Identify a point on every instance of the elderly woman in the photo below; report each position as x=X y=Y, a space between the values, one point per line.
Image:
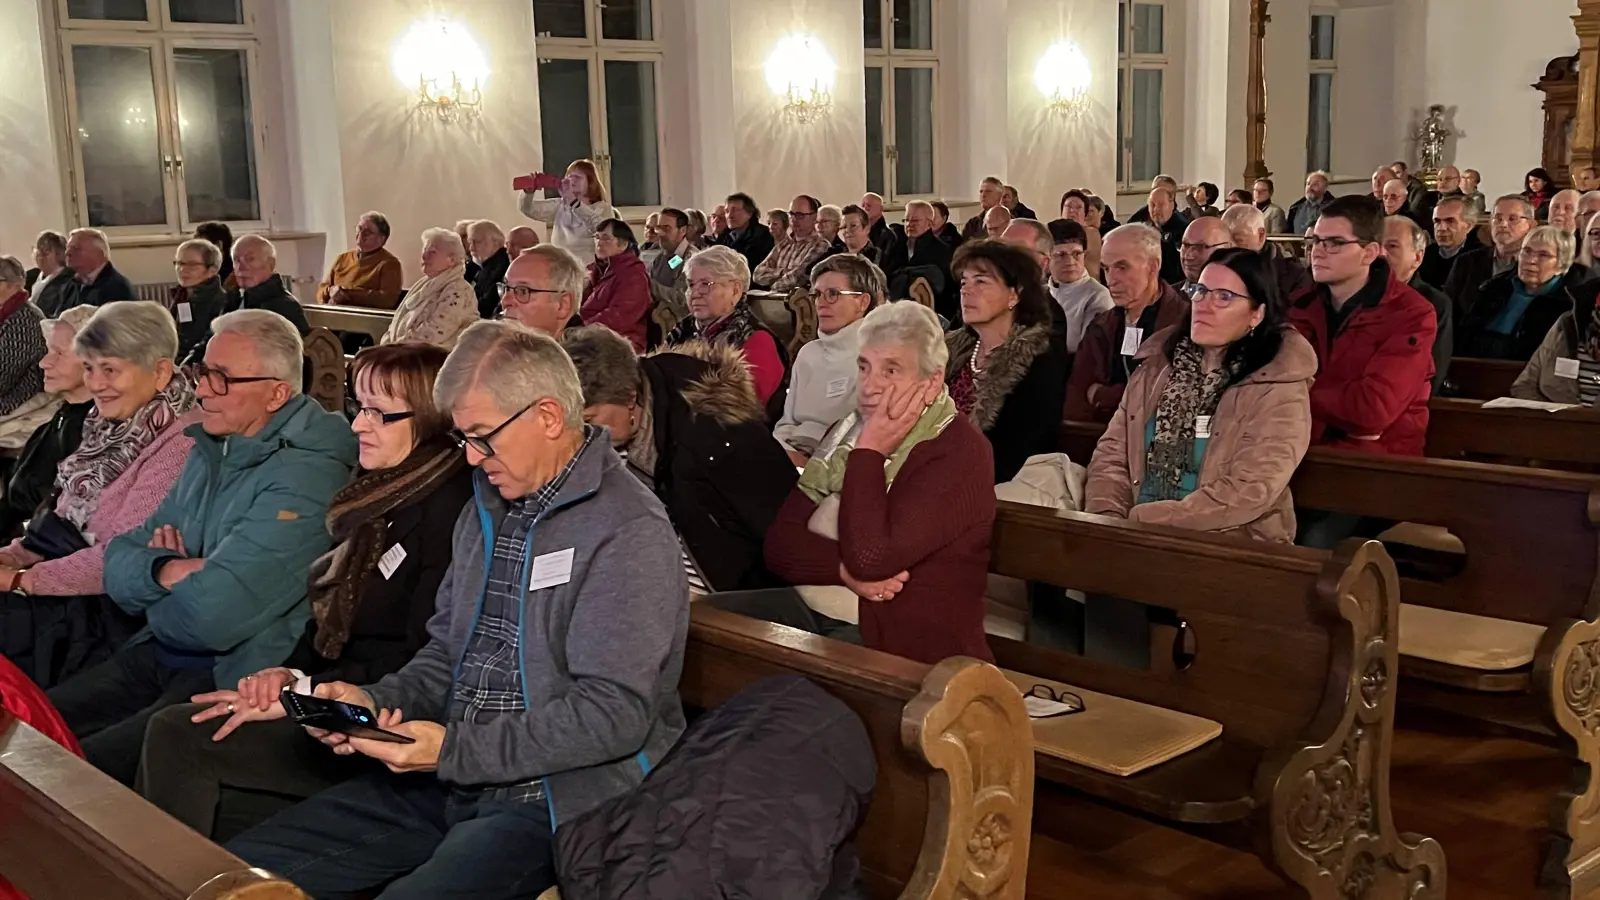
x=690 y=427
x=778 y=224
x=888 y=509
x=617 y=294
x=49 y=278
x=1006 y=371
x=1516 y=309
x=718 y=313
x=55 y=620
x=574 y=215
x=442 y=303
x=221 y=237
x=1590 y=238
x=34 y=477
x=199 y=297
x=822 y=387
x=829 y=219
x=371 y=597
x=21 y=339
x=1075 y=208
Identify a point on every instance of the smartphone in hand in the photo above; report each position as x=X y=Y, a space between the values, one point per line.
x=333 y=715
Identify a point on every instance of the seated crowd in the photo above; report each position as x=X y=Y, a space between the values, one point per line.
x=495 y=551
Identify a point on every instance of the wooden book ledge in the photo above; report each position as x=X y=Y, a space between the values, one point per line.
x=1461 y=639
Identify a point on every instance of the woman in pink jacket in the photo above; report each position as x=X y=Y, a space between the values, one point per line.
x=618 y=293
x=54 y=617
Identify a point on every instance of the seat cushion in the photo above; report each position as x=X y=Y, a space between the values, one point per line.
x=1461 y=639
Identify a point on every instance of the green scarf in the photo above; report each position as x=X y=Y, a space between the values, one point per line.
x=824 y=474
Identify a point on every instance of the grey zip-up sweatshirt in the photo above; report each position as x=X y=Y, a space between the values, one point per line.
x=601 y=654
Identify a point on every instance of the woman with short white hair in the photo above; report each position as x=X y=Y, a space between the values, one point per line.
x=442 y=303
x=719 y=277
x=1516 y=309
x=199 y=297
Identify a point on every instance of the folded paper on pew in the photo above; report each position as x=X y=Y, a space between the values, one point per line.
x=1514 y=403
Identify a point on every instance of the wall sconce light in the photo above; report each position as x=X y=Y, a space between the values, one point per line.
x=446 y=67
x=1063 y=77
x=801 y=71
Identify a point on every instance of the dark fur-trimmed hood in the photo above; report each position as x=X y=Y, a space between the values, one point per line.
x=1008 y=364
x=719 y=386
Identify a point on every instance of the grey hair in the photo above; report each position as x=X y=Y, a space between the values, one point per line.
x=1146 y=237
x=95 y=235
x=608 y=368
x=275 y=338
x=447 y=240
x=1576 y=194
x=74 y=318
x=831 y=211
x=492 y=229
x=1587 y=195
x=1244 y=216
x=1527 y=208
x=1419 y=238
x=722 y=264
x=565 y=271
x=697 y=220
x=1043 y=242
x=252 y=240
x=515 y=366
x=910 y=324
x=1469 y=210
x=210 y=254
x=12 y=270
x=862 y=273
x=1321 y=172
x=1551 y=236
x=139 y=331
x=919 y=204
x=51 y=242
x=378 y=220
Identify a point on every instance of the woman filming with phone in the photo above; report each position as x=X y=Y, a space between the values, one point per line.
x=572 y=216
x=371 y=597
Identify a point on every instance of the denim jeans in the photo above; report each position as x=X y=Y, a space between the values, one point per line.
x=413 y=833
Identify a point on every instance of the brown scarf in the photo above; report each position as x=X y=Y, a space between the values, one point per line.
x=1189 y=393
x=358 y=521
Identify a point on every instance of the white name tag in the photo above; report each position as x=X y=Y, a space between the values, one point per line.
x=551 y=569
x=1202 y=426
x=1566 y=368
x=1132 y=337
x=185 y=314
x=391 y=560
x=837 y=387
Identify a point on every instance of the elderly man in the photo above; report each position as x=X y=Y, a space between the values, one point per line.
x=1563 y=212
x=943 y=227
x=1261 y=194
x=1162 y=214
x=879 y=231
x=549 y=682
x=744 y=232
x=1080 y=296
x=96 y=281
x=1145 y=303
x=988 y=198
x=1449 y=183
x=219 y=570
x=520 y=239
x=1512 y=220
x=1032 y=236
x=1013 y=203
x=995 y=222
x=1396 y=202
x=1142 y=214
x=1404 y=245
x=367 y=276
x=487 y=244
x=1247 y=227
x=854 y=236
x=1455 y=231
x=49 y=279
x=543 y=289
x=789 y=266
x=1204 y=236
x=1380 y=177
x=1588 y=205
x=255 y=268
x=923 y=255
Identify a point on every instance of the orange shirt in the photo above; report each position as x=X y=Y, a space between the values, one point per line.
x=371 y=279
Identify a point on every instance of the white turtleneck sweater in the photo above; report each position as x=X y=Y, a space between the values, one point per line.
x=822 y=388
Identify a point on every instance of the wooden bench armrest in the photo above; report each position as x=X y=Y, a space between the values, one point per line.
x=1566 y=676
x=327 y=369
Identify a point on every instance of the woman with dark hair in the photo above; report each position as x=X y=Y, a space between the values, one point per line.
x=1076 y=206
x=1237 y=197
x=1214 y=423
x=1006 y=372
x=221 y=236
x=617 y=294
x=1538 y=189
x=371 y=597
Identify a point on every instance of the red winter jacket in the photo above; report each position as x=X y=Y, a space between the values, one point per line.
x=618 y=297
x=20 y=697
x=1373 y=376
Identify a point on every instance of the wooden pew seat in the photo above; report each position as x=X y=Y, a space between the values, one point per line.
x=1468 y=641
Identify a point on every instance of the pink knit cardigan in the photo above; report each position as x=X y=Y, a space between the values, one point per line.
x=124 y=505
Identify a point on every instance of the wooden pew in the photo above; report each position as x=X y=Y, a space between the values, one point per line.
x=68 y=832
x=373 y=322
x=1484 y=379
x=326 y=363
x=951 y=815
x=1295 y=656
x=1461 y=429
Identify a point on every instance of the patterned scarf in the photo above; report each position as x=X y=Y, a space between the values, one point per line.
x=731 y=330
x=1189 y=394
x=109 y=446
x=358 y=521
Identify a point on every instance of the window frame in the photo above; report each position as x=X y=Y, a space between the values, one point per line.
x=1329 y=67
x=596 y=52
x=1127 y=63
x=158 y=18
x=888 y=58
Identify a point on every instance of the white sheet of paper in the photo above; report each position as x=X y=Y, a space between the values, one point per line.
x=1040 y=708
x=1514 y=403
x=1566 y=368
x=391 y=560
x=1132 y=337
x=185 y=313
x=551 y=569
x=837 y=387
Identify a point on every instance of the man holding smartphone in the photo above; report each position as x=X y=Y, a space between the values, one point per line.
x=549 y=683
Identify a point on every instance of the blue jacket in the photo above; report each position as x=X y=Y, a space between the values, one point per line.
x=254 y=508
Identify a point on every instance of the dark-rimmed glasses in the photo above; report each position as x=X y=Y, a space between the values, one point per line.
x=1332 y=244
x=831 y=296
x=1222 y=298
x=219 y=381
x=377 y=416
x=522 y=292
x=1046 y=692
x=1187 y=247
x=481 y=442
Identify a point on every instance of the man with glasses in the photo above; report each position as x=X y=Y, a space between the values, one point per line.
x=1455 y=232
x=1513 y=218
x=542 y=289
x=367 y=276
x=789 y=266
x=922 y=255
x=549 y=683
x=1373 y=336
x=738 y=227
x=1204 y=236
x=255 y=270
x=219 y=569
x=669 y=278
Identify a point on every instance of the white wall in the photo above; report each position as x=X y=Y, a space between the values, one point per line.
x=1212 y=144
x=1365 y=88
x=30 y=173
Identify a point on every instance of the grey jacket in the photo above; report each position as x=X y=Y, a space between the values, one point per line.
x=601 y=653
x=1539 y=380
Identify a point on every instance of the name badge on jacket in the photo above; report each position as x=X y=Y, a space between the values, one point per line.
x=551 y=569
x=1132 y=337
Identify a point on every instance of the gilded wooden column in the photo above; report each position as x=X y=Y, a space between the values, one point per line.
x=1256 y=98
x=1584 y=133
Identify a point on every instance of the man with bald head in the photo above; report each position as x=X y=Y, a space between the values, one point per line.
x=879 y=233
x=1162 y=210
x=1393 y=197
x=1145 y=304
x=1204 y=236
x=1512 y=219
x=521 y=238
x=1563 y=211
x=1455 y=231
x=487 y=245
x=995 y=221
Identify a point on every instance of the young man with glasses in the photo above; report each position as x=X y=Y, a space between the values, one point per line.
x=789 y=266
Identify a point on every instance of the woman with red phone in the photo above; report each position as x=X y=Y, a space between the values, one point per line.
x=575 y=214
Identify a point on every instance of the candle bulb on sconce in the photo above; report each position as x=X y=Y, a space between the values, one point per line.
x=1063 y=77
x=801 y=71
x=440 y=60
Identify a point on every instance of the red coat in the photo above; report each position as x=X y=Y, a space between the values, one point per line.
x=20 y=697
x=1373 y=377
x=618 y=297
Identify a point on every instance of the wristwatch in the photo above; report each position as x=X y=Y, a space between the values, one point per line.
x=15 y=587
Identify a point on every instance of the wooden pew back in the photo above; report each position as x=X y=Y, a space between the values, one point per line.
x=1463 y=429
x=1484 y=379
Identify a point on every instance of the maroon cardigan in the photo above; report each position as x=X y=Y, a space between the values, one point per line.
x=934 y=522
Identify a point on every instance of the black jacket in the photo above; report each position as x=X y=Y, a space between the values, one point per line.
x=1474 y=339
x=486 y=284
x=1444 y=340
x=107 y=287
x=272 y=294
x=1435 y=268
x=718 y=471
x=390 y=625
x=1171 y=242
x=1018 y=401
x=1469 y=275
x=204 y=303
x=951 y=235
x=754 y=242
x=34 y=478
x=1292 y=275
x=1021 y=211
x=759 y=798
x=51 y=298
x=882 y=236
x=931 y=260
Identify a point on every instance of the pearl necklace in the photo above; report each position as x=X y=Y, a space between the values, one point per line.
x=972 y=361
